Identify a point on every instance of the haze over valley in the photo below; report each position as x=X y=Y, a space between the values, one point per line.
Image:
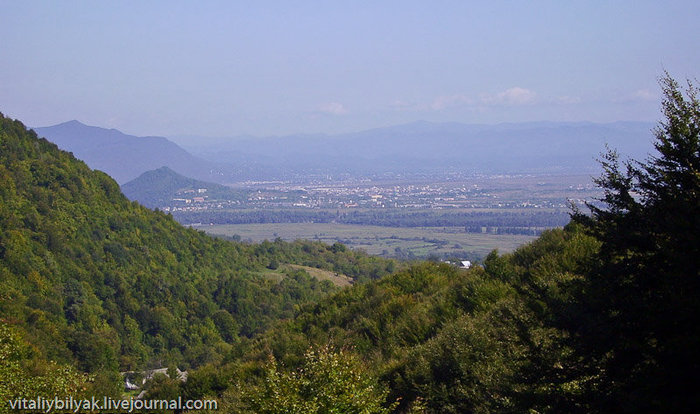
x=411 y=151
x=474 y=179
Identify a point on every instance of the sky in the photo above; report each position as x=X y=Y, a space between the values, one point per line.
x=228 y=68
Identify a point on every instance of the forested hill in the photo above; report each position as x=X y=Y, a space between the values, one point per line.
x=93 y=279
x=159 y=187
x=441 y=339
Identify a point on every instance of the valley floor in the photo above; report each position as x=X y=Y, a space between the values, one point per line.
x=418 y=242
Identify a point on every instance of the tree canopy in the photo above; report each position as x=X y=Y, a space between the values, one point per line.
x=643 y=298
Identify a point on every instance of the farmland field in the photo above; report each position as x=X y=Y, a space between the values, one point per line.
x=418 y=242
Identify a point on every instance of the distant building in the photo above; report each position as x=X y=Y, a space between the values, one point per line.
x=148 y=375
x=128 y=386
x=462 y=264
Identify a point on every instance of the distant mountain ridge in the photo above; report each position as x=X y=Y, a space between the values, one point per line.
x=124 y=157
x=416 y=148
x=544 y=147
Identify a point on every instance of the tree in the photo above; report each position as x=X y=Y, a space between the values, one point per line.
x=642 y=304
x=23 y=374
x=329 y=382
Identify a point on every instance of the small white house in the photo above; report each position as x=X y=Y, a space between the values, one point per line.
x=129 y=386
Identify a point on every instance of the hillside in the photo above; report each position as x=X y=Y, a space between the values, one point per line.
x=451 y=340
x=598 y=317
x=124 y=157
x=159 y=187
x=92 y=279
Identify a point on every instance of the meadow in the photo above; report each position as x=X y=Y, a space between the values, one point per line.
x=418 y=242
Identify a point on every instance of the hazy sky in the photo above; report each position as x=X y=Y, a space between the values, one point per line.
x=259 y=67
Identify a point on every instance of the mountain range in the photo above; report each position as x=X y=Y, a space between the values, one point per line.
x=416 y=148
x=124 y=157
x=546 y=147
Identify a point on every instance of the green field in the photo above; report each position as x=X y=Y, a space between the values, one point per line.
x=417 y=241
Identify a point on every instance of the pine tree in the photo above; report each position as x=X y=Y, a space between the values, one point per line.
x=641 y=309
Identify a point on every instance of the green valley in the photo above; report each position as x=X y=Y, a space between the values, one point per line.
x=96 y=281
x=599 y=316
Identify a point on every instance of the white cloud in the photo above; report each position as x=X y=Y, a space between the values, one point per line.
x=513 y=96
x=333 y=108
x=448 y=101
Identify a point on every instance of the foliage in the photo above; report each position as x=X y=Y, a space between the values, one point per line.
x=24 y=374
x=443 y=339
x=643 y=298
x=329 y=381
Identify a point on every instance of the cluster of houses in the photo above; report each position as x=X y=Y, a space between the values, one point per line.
x=198 y=199
x=462 y=264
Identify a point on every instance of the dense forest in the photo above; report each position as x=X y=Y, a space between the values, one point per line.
x=96 y=281
x=600 y=316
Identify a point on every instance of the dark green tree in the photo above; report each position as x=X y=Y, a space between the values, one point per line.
x=641 y=306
